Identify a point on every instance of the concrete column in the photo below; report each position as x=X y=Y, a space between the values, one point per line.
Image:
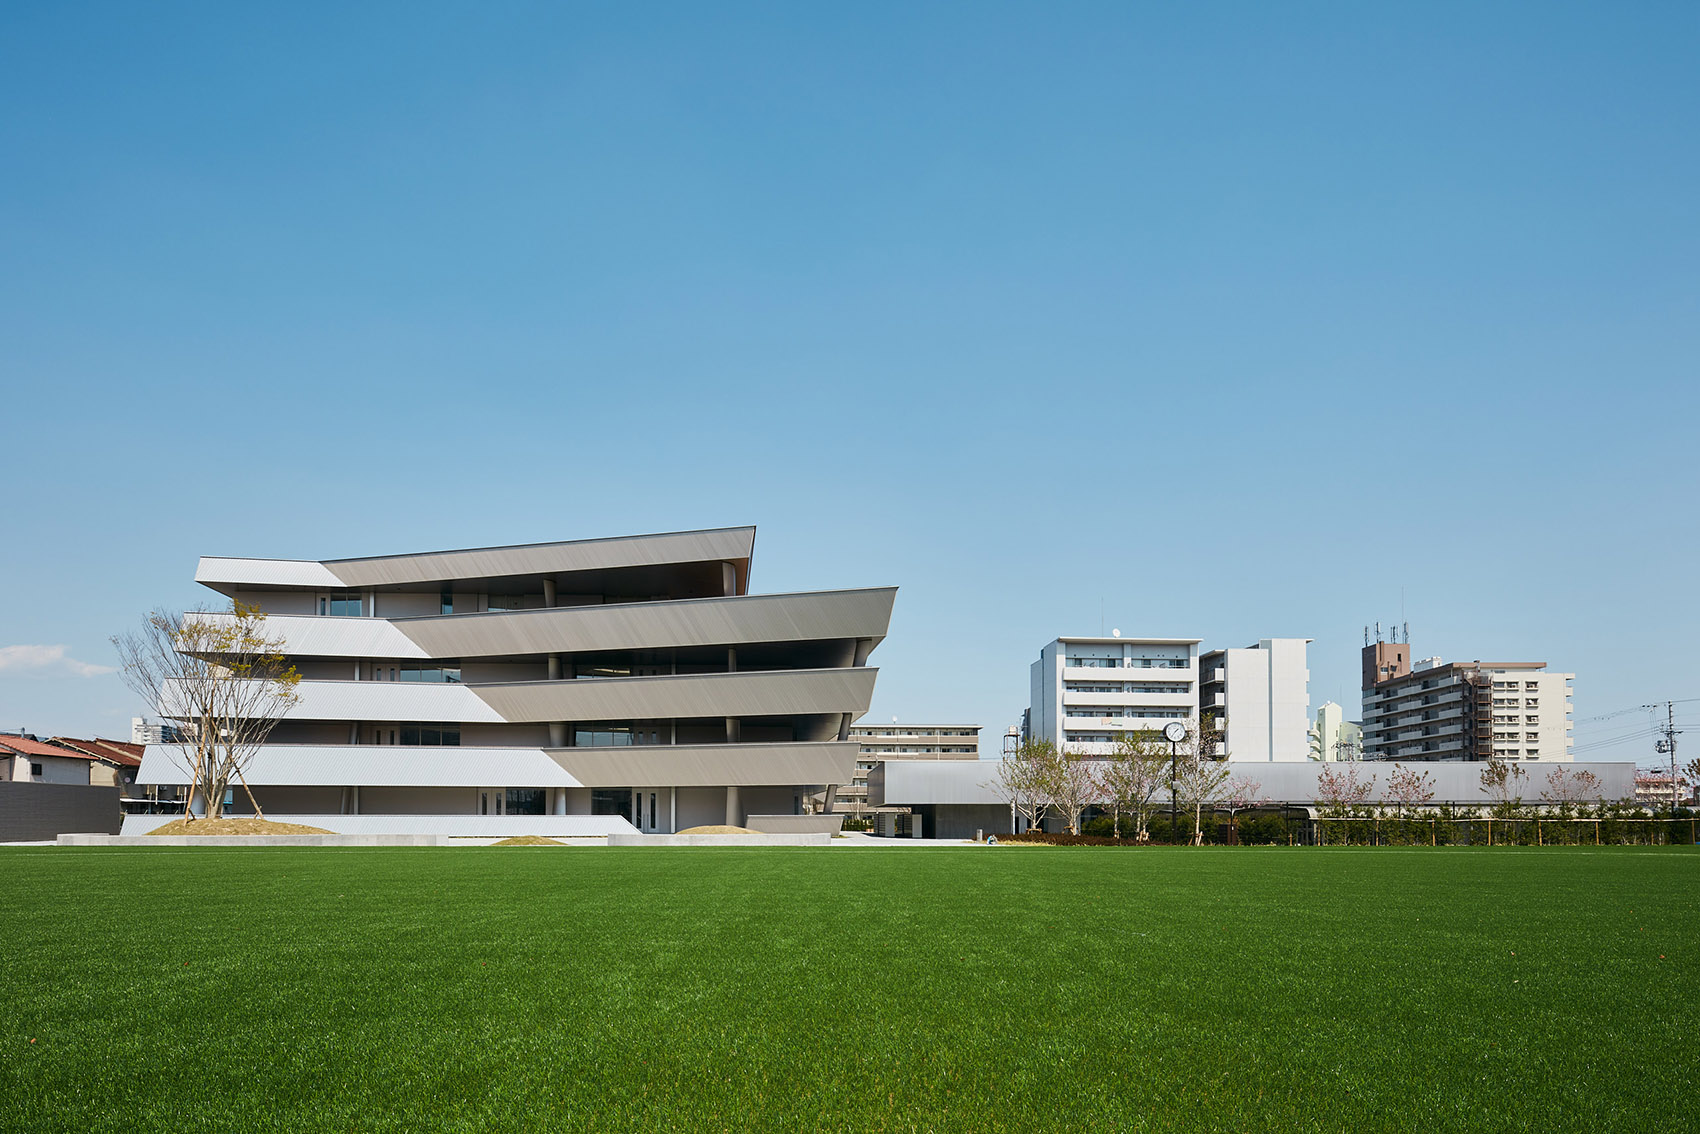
x=673 y=811
x=557 y=734
x=548 y=592
x=731 y=659
x=734 y=807
x=354 y=794
x=864 y=647
x=560 y=805
x=844 y=727
x=734 y=730
x=728 y=579
x=554 y=667
x=831 y=798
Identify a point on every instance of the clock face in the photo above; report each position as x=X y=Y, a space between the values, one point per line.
x=1175 y=732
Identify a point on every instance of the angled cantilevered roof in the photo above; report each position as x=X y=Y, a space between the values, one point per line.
x=728 y=545
x=736 y=620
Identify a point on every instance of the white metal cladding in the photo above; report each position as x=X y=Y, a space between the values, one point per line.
x=915 y=782
x=752 y=693
x=388 y=701
x=471 y=826
x=710 y=765
x=730 y=621
x=217 y=571
x=337 y=765
x=305 y=636
x=725 y=544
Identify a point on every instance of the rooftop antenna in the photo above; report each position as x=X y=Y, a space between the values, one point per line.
x=1378 y=633
x=1407 y=627
x=1366 y=636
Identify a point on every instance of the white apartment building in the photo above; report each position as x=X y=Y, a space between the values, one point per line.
x=1088 y=691
x=1260 y=699
x=1333 y=737
x=1464 y=710
x=897 y=741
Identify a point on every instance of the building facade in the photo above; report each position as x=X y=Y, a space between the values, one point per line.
x=1333 y=737
x=586 y=687
x=904 y=742
x=1087 y=692
x=1429 y=710
x=1260 y=699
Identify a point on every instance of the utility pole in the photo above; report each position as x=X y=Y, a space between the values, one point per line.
x=1668 y=745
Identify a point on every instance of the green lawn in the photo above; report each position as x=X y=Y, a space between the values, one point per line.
x=972 y=989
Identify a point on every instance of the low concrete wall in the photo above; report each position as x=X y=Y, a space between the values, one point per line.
x=253 y=840
x=32 y=812
x=795 y=824
x=794 y=840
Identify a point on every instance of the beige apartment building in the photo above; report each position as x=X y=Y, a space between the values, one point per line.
x=897 y=741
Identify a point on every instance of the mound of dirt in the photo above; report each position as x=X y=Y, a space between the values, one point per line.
x=718 y=829
x=236 y=827
x=529 y=841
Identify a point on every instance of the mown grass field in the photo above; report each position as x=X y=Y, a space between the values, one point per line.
x=964 y=989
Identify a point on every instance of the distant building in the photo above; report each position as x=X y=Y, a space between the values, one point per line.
x=115 y=761
x=1435 y=711
x=1086 y=692
x=29 y=759
x=1654 y=789
x=1333 y=737
x=904 y=742
x=1260 y=698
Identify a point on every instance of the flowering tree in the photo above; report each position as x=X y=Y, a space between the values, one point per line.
x=1070 y=783
x=1565 y=788
x=1502 y=782
x=1339 y=791
x=1133 y=775
x=1020 y=780
x=1408 y=786
x=1201 y=771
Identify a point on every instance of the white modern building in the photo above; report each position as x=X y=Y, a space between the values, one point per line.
x=1260 y=699
x=1431 y=710
x=1333 y=737
x=583 y=687
x=1086 y=692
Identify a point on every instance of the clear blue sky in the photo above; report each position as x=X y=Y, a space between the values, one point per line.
x=1240 y=320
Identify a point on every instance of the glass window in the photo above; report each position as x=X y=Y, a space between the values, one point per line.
x=342 y=605
x=611 y=801
x=446 y=601
x=527 y=801
x=430 y=733
x=445 y=671
x=602 y=738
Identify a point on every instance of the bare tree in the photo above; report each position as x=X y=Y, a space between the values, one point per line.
x=1241 y=792
x=1201 y=771
x=222 y=680
x=1071 y=783
x=1020 y=780
x=1133 y=775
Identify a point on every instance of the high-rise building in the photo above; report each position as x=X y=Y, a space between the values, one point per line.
x=635 y=679
x=1430 y=710
x=1333 y=737
x=1260 y=698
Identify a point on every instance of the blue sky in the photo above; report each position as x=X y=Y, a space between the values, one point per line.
x=1231 y=320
